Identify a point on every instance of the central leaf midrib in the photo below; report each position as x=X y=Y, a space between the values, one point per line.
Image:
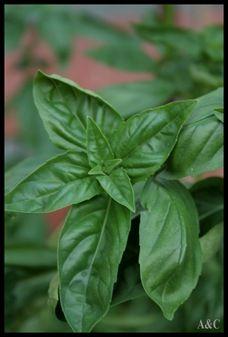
x=94 y=256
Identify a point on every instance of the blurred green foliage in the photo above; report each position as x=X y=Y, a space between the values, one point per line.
x=190 y=60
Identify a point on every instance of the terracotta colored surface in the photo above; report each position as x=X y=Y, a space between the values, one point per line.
x=11 y=126
x=93 y=75
x=200 y=19
x=56 y=218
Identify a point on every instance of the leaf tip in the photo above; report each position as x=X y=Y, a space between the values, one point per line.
x=169 y=315
x=40 y=74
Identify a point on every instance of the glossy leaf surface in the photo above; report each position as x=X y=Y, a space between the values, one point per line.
x=170 y=255
x=18 y=172
x=146 y=139
x=64 y=107
x=90 y=249
x=200 y=145
x=59 y=182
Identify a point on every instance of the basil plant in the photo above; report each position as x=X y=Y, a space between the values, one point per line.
x=111 y=170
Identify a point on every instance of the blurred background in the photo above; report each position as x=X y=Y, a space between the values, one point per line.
x=105 y=48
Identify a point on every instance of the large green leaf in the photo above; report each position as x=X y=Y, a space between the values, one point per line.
x=162 y=234
x=200 y=144
x=61 y=181
x=199 y=149
x=145 y=141
x=130 y=98
x=98 y=147
x=118 y=186
x=170 y=255
x=124 y=56
x=64 y=107
x=90 y=249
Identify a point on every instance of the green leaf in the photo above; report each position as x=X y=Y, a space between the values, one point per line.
x=170 y=255
x=90 y=249
x=130 y=98
x=30 y=257
x=98 y=147
x=206 y=105
x=162 y=233
x=109 y=165
x=59 y=182
x=96 y=170
x=18 y=172
x=209 y=198
x=64 y=107
x=199 y=147
x=145 y=141
x=124 y=56
x=118 y=186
